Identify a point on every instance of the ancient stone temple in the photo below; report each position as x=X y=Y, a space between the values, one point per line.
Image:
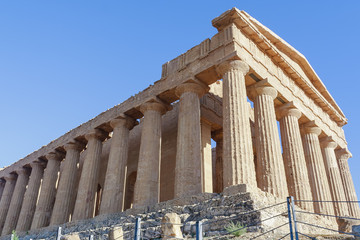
x=239 y=88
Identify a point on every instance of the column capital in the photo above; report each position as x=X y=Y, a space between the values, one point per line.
x=288 y=109
x=124 y=120
x=192 y=86
x=22 y=171
x=96 y=133
x=155 y=105
x=56 y=156
x=310 y=127
x=76 y=145
x=36 y=163
x=263 y=88
x=11 y=177
x=327 y=142
x=343 y=153
x=226 y=66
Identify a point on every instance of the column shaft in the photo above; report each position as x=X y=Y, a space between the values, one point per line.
x=342 y=156
x=113 y=193
x=2 y=186
x=30 y=198
x=238 y=156
x=206 y=163
x=270 y=166
x=333 y=174
x=16 y=201
x=147 y=179
x=67 y=184
x=6 y=198
x=294 y=157
x=48 y=192
x=218 y=183
x=316 y=170
x=188 y=153
x=85 y=199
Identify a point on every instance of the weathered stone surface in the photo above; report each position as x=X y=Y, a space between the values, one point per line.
x=170 y=226
x=116 y=233
x=30 y=198
x=48 y=191
x=188 y=156
x=85 y=199
x=66 y=189
x=314 y=161
x=16 y=201
x=6 y=198
x=71 y=237
x=238 y=158
x=168 y=155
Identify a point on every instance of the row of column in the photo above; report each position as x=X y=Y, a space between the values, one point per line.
x=305 y=170
x=54 y=206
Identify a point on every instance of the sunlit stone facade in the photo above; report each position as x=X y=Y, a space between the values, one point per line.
x=234 y=89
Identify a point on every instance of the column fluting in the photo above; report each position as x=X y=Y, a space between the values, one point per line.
x=188 y=153
x=294 y=157
x=316 y=169
x=342 y=156
x=16 y=201
x=336 y=186
x=270 y=170
x=2 y=186
x=48 y=191
x=238 y=155
x=148 y=174
x=85 y=199
x=206 y=162
x=30 y=198
x=67 y=184
x=6 y=198
x=113 y=193
x=218 y=183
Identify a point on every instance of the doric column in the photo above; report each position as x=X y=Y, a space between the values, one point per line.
x=342 y=156
x=294 y=157
x=6 y=198
x=147 y=180
x=270 y=166
x=85 y=199
x=48 y=191
x=238 y=155
x=112 y=197
x=188 y=153
x=336 y=187
x=218 y=183
x=67 y=184
x=16 y=201
x=30 y=198
x=206 y=162
x=2 y=186
x=317 y=174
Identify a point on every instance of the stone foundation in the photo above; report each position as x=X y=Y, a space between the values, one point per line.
x=214 y=210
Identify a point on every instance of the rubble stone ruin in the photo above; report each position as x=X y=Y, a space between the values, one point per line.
x=232 y=88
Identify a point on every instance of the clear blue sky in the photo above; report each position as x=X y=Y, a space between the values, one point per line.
x=64 y=62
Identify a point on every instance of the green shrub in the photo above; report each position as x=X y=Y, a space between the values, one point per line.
x=15 y=237
x=235 y=229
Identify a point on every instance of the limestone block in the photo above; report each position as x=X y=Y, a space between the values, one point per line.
x=170 y=226
x=71 y=237
x=116 y=233
x=345 y=225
